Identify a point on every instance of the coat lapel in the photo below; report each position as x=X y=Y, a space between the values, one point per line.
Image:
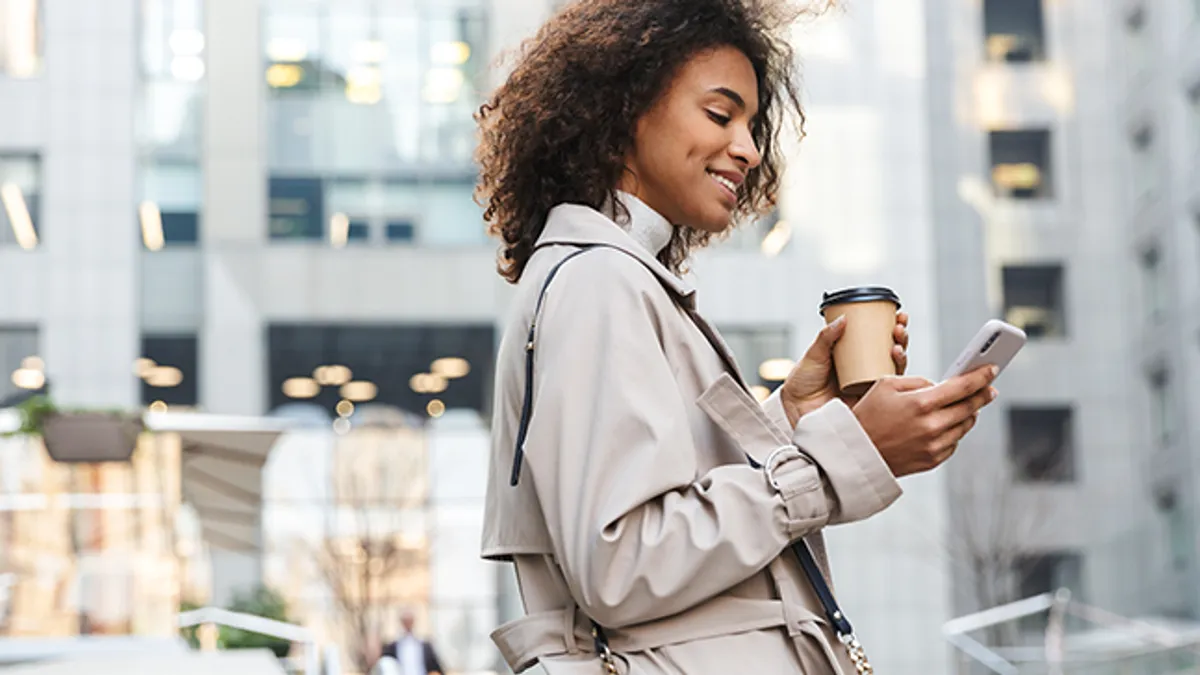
x=579 y=225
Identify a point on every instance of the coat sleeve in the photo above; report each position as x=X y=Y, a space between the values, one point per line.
x=638 y=532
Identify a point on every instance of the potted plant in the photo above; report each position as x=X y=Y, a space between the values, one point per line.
x=81 y=436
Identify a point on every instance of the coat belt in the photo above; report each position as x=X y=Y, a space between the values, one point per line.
x=523 y=641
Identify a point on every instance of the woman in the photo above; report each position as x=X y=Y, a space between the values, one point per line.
x=628 y=134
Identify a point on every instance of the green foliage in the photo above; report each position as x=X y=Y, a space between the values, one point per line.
x=263 y=602
x=34 y=411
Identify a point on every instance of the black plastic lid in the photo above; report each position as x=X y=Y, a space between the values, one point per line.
x=859 y=294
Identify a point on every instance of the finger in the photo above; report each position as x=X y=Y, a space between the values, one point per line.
x=961 y=387
x=900 y=336
x=948 y=442
x=908 y=383
x=902 y=319
x=968 y=409
x=900 y=357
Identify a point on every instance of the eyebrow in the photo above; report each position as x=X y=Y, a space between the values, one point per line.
x=731 y=95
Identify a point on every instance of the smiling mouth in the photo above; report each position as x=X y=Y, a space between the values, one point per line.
x=724 y=182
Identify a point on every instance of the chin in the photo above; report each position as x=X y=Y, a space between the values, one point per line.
x=713 y=223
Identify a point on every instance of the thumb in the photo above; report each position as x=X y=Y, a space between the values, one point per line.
x=829 y=336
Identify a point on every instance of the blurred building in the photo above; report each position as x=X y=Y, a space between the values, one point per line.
x=1065 y=169
x=265 y=208
x=93 y=549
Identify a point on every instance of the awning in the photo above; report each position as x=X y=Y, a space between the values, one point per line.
x=221 y=472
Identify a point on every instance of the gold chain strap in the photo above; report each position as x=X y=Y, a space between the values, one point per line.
x=857 y=654
x=606 y=655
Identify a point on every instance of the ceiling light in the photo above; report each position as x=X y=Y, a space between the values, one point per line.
x=187 y=68
x=435 y=408
x=369 y=51
x=364 y=86
x=20 y=39
x=777 y=239
x=1024 y=176
x=332 y=376
x=301 y=387
x=775 y=370
x=341 y=425
x=287 y=50
x=284 y=75
x=18 y=216
x=451 y=368
x=760 y=392
x=344 y=408
x=451 y=53
x=339 y=230
x=143 y=366
x=158 y=407
x=33 y=363
x=186 y=42
x=24 y=378
x=359 y=392
x=152 y=229
x=164 y=376
x=443 y=85
x=428 y=383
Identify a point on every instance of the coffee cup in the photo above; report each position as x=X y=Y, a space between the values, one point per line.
x=863 y=355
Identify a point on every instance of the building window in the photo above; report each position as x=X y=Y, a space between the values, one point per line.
x=1162 y=416
x=1020 y=162
x=422 y=370
x=1014 y=30
x=169 y=369
x=761 y=353
x=20 y=199
x=401 y=231
x=172 y=196
x=1033 y=300
x=394 y=84
x=20 y=38
x=1145 y=173
x=1040 y=573
x=359 y=231
x=1179 y=533
x=297 y=208
x=22 y=371
x=1153 y=289
x=1041 y=444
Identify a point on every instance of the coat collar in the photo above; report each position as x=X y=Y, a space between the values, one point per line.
x=579 y=225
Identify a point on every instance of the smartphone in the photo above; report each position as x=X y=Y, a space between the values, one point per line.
x=994 y=345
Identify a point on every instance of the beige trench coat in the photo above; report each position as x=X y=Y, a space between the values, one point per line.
x=637 y=507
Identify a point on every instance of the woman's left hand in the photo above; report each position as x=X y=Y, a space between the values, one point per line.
x=813 y=381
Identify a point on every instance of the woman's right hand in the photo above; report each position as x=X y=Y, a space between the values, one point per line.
x=915 y=424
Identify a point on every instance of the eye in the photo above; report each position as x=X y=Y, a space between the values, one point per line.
x=720 y=119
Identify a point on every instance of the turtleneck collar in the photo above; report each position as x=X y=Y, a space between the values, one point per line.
x=644 y=225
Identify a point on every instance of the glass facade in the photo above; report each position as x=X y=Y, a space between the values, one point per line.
x=20 y=200
x=172 y=62
x=320 y=366
x=369 y=117
x=18 y=351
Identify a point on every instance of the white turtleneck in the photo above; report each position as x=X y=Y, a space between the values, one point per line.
x=647 y=226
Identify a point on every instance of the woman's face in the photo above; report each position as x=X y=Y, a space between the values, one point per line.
x=693 y=148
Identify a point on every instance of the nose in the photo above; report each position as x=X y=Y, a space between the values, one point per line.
x=745 y=151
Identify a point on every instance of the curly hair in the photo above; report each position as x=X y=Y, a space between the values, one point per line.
x=559 y=129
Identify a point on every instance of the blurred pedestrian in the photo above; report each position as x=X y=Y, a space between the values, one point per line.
x=413 y=655
x=660 y=519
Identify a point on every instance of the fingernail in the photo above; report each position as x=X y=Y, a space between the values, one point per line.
x=994 y=371
x=992 y=393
